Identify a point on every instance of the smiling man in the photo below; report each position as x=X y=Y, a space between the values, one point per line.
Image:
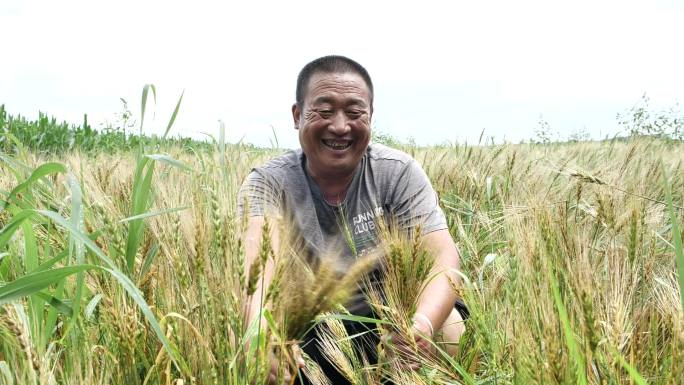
x=337 y=178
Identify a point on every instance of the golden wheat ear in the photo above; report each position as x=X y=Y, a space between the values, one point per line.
x=406 y=268
x=314 y=373
x=344 y=354
x=307 y=291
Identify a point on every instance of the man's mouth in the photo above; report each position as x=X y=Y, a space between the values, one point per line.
x=337 y=144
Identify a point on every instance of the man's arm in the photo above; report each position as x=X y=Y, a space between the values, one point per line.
x=257 y=197
x=437 y=299
x=416 y=203
x=252 y=238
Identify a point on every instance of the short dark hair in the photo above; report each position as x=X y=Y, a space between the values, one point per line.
x=330 y=64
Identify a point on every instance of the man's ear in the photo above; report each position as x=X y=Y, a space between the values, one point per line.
x=296 y=115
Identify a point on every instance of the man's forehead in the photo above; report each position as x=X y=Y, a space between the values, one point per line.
x=326 y=87
x=341 y=78
x=348 y=99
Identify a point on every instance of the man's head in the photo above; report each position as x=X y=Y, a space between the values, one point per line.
x=333 y=114
x=330 y=64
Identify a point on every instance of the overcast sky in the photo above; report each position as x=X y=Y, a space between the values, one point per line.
x=443 y=70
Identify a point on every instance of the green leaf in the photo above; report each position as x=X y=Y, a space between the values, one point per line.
x=575 y=355
x=141 y=189
x=169 y=160
x=633 y=373
x=137 y=296
x=51 y=262
x=56 y=303
x=53 y=314
x=76 y=216
x=125 y=282
x=14 y=164
x=30 y=246
x=143 y=102
x=14 y=224
x=153 y=214
x=31 y=262
x=465 y=376
x=173 y=116
x=75 y=244
x=149 y=259
x=35 y=282
x=90 y=308
x=268 y=316
x=141 y=199
x=41 y=171
x=87 y=242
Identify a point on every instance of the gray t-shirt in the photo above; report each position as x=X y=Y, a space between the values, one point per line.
x=388 y=186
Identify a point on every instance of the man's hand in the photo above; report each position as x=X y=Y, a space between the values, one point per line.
x=408 y=349
x=275 y=365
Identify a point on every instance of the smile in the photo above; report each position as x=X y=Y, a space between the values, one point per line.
x=337 y=144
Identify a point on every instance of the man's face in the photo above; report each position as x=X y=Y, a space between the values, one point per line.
x=334 y=123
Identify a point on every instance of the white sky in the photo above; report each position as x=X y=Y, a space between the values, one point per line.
x=443 y=70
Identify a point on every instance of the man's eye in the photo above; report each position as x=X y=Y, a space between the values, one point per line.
x=325 y=113
x=354 y=114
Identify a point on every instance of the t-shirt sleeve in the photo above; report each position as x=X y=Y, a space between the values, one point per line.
x=414 y=202
x=258 y=196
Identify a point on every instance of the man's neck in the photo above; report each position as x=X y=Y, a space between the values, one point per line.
x=333 y=187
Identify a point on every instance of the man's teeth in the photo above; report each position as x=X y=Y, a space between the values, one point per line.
x=337 y=145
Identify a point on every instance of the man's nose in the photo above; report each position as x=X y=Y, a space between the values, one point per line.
x=339 y=124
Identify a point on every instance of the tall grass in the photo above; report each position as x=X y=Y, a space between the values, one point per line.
x=580 y=282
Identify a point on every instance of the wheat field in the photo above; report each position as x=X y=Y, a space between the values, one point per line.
x=126 y=268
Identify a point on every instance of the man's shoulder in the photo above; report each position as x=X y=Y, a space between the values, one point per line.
x=282 y=164
x=381 y=154
x=390 y=165
x=280 y=172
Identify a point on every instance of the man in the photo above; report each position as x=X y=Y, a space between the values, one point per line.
x=339 y=176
